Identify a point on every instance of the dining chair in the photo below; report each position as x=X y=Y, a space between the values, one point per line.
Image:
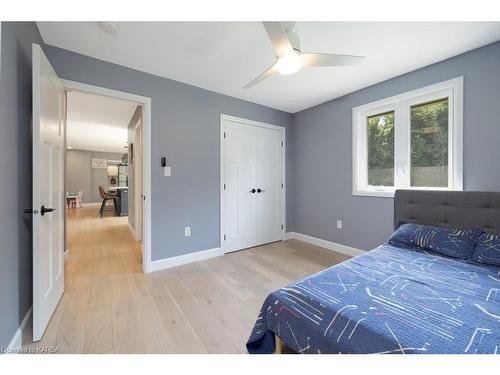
x=105 y=198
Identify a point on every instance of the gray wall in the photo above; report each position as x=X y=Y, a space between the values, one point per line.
x=16 y=172
x=78 y=173
x=80 y=176
x=321 y=146
x=185 y=129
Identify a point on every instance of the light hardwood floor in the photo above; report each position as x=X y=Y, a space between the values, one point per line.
x=110 y=306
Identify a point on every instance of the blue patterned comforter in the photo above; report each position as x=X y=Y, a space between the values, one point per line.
x=389 y=300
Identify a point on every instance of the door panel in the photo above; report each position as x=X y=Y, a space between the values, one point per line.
x=239 y=207
x=45 y=236
x=269 y=179
x=56 y=217
x=48 y=191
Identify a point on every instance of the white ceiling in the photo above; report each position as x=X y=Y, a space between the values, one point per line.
x=224 y=56
x=98 y=123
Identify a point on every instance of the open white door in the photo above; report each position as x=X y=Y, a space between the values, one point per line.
x=48 y=191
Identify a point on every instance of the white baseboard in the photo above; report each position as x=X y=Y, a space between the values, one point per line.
x=91 y=204
x=339 y=248
x=88 y=204
x=17 y=341
x=162 y=264
x=132 y=230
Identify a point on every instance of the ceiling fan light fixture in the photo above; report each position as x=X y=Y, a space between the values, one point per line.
x=289 y=64
x=290 y=60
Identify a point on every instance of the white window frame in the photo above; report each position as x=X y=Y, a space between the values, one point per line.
x=401 y=105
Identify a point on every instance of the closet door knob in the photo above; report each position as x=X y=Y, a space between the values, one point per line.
x=260 y=190
x=253 y=191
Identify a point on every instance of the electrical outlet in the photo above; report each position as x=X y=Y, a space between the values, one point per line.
x=339 y=224
x=187 y=231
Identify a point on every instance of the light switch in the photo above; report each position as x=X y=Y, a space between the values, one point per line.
x=167 y=171
x=339 y=224
x=187 y=231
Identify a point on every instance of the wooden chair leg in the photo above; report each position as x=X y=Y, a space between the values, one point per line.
x=279 y=345
x=102 y=207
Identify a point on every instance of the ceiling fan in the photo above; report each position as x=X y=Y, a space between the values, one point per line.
x=290 y=59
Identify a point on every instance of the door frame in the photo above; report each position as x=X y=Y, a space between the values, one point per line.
x=138 y=214
x=282 y=129
x=146 y=155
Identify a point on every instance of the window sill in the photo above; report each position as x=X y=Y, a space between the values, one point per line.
x=370 y=193
x=390 y=193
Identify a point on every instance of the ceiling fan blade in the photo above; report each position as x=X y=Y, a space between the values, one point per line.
x=279 y=38
x=329 y=59
x=269 y=72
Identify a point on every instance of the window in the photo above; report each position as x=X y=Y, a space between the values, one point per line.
x=112 y=170
x=412 y=140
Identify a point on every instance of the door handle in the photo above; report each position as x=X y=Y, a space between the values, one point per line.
x=260 y=190
x=43 y=210
x=30 y=211
x=253 y=191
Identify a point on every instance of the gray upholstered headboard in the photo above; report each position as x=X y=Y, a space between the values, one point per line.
x=457 y=209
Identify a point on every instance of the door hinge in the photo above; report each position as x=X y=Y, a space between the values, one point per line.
x=282 y=185
x=224 y=186
x=281 y=143
x=224 y=135
x=224 y=237
x=281 y=226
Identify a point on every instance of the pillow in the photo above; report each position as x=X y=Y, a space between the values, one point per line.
x=452 y=242
x=487 y=249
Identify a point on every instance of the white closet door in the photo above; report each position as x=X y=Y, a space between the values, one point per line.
x=240 y=175
x=269 y=188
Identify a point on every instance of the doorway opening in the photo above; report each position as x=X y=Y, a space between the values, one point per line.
x=103 y=176
x=110 y=130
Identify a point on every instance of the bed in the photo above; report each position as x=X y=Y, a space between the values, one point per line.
x=395 y=298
